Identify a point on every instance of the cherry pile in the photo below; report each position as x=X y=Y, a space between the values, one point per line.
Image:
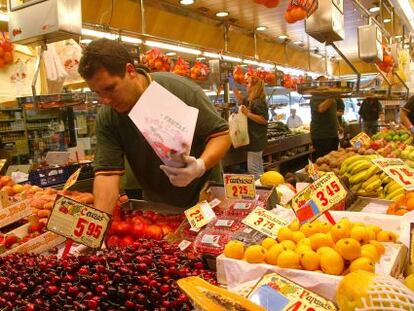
x=140 y=277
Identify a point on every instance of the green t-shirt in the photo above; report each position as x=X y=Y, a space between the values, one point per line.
x=257 y=132
x=340 y=106
x=370 y=110
x=323 y=125
x=118 y=136
x=409 y=107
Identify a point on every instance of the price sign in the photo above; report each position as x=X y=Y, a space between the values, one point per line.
x=239 y=186
x=312 y=170
x=318 y=197
x=265 y=222
x=72 y=179
x=360 y=140
x=78 y=222
x=200 y=215
x=274 y=292
x=397 y=170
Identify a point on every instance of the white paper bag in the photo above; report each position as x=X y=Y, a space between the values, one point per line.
x=239 y=132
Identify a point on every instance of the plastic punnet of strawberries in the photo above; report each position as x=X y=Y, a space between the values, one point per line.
x=140 y=277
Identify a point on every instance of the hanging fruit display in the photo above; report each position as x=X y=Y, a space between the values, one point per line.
x=267 y=76
x=268 y=3
x=6 y=52
x=156 y=60
x=387 y=63
x=181 y=68
x=300 y=9
x=238 y=75
x=291 y=82
x=199 y=71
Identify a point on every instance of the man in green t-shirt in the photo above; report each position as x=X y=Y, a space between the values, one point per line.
x=369 y=113
x=108 y=69
x=407 y=115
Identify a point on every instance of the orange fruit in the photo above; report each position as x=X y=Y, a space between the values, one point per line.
x=340 y=231
x=234 y=249
x=297 y=236
x=401 y=211
x=319 y=240
x=255 y=254
x=360 y=234
x=362 y=263
x=288 y=244
x=268 y=243
x=409 y=195
x=288 y=259
x=310 y=260
x=332 y=262
x=380 y=247
x=308 y=229
x=273 y=253
x=284 y=234
x=348 y=248
x=410 y=204
x=386 y=236
x=370 y=251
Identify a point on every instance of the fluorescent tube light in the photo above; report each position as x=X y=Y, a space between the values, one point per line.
x=131 y=40
x=98 y=34
x=250 y=62
x=172 y=47
x=4 y=17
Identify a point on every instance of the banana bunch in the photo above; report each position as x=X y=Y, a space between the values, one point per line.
x=367 y=180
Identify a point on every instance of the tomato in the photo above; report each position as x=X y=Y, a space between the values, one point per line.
x=138 y=229
x=289 y=18
x=153 y=232
x=271 y=3
x=126 y=241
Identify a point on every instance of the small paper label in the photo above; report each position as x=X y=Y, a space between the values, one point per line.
x=224 y=223
x=214 y=203
x=241 y=205
x=184 y=244
x=400 y=172
x=265 y=222
x=210 y=239
x=72 y=179
x=200 y=215
x=239 y=186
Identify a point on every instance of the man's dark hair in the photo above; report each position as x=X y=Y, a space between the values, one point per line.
x=104 y=53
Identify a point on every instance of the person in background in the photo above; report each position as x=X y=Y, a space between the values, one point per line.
x=293 y=121
x=407 y=115
x=108 y=69
x=369 y=113
x=254 y=107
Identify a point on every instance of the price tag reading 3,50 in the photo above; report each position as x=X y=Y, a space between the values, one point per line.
x=78 y=222
x=239 y=186
x=397 y=170
x=200 y=215
x=265 y=222
x=318 y=197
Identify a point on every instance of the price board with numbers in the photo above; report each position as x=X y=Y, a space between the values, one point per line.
x=397 y=170
x=318 y=197
x=239 y=186
x=360 y=140
x=72 y=179
x=265 y=222
x=78 y=222
x=200 y=215
x=275 y=292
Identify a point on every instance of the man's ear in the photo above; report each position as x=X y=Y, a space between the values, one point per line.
x=130 y=70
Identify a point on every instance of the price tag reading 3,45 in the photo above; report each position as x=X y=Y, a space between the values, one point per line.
x=239 y=186
x=397 y=170
x=78 y=222
x=200 y=215
x=360 y=140
x=318 y=197
x=265 y=222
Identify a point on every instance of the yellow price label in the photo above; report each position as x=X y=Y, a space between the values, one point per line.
x=397 y=170
x=265 y=222
x=200 y=215
x=318 y=197
x=360 y=140
x=78 y=222
x=72 y=179
x=239 y=186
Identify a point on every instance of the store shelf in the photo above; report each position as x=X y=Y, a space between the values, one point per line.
x=11 y=109
x=291 y=158
x=38 y=128
x=9 y=120
x=41 y=118
x=12 y=131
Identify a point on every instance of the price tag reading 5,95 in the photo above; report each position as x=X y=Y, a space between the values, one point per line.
x=78 y=222
x=239 y=186
x=397 y=170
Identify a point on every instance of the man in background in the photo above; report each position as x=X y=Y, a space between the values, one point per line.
x=293 y=121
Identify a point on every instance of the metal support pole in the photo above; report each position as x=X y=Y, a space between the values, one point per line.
x=256 y=56
x=403 y=83
x=385 y=79
x=142 y=9
x=226 y=37
x=349 y=64
x=309 y=54
x=43 y=48
x=361 y=7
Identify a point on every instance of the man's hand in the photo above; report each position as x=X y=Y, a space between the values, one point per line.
x=182 y=177
x=244 y=110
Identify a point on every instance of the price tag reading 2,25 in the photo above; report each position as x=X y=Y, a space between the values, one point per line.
x=264 y=221
x=78 y=222
x=200 y=215
x=397 y=170
x=318 y=197
x=239 y=186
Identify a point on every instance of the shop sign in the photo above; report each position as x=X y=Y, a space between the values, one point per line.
x=239 y=186
x=318 y=198
x=265 y=222
x=200 y=215
x=14 y=212
x=362 y=139
x=276 y=293
x=397 y=170
x=78 y=222
x=72 y=179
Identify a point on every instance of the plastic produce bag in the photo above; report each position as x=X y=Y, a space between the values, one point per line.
x=239 y=132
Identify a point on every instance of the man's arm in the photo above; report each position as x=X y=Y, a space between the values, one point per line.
x=238 y=95
x=256 y=118
x=216 y=149
x=325 y=105
x=404 y=118
x=106 y=192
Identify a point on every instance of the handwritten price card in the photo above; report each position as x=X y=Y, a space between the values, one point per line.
x=72 y=179
x=265 y=222
x=200 y=215
x=397 y=170
x=239 y=186
x=78 y=222
x=318 y=197
x=360 y=140
x=274 y=292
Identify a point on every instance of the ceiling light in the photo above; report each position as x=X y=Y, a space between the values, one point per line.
x=131 y=40
x=224 y=57
x=408 y=11
x=267 y=65
x=243 y=65
x=387 y=20
x=250 y=62
x=261 y=28
x=4 y=17
x=186 y=2
x=200 y=58
x=398 y=37
x=172 y=47
x=98 y=34
x=211 y=55
x=374 y=9
x=298 y=42
x=170 y=53
x=222 y=14
x=283 y=37
x=85 y=41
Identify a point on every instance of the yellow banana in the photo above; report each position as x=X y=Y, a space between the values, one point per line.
x=347 y=162
x=387 y=179
x=396 y=198
x=356 y=187
x=394 y=187
x=370 y=180
x=383 y=175
x=392 y=183
x=357 y=178
x=394 y=194
x=373 y=170
x=353 y=165
x=374 y=185
x=362 y=192
x=364 y=165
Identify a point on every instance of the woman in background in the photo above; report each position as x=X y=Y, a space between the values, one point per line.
x=254 y=107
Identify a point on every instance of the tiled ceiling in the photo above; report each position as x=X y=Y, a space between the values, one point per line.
x=248 y=15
